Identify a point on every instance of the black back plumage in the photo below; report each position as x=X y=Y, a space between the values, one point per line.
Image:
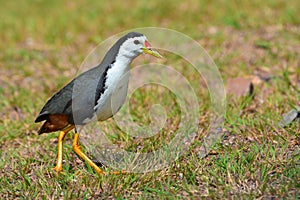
x=88 y=86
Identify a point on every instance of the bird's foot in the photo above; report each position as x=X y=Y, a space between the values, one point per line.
x=115 y=172
x=58 y=169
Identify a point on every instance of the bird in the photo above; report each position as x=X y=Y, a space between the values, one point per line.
x=89 y=95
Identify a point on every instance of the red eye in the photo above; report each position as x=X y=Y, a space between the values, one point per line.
x=147 y=44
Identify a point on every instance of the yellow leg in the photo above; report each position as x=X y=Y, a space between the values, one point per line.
x=77 y=150
x=61 y=137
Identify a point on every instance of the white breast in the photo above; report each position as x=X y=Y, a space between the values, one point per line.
x=116 y=87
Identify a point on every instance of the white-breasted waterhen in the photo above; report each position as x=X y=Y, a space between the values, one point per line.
x=94 y=98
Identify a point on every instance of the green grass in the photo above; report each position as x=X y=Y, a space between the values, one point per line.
x=43 y=44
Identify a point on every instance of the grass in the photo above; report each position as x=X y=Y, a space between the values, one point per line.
x=44 y=43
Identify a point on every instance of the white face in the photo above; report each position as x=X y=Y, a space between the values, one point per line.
x=133 y=47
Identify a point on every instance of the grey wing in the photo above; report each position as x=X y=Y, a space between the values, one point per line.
x=84 y=94
x=76 y=99
x=58 y=103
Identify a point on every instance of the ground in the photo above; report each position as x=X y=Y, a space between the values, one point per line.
x=44 y=43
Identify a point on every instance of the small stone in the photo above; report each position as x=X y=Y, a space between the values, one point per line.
x=180 y=175
x=239 y=86
x=289 y=117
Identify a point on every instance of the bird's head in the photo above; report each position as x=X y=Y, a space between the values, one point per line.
x=136 y=44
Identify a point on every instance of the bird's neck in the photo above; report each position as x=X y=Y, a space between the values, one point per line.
x=122 y=62
x=119 y=67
